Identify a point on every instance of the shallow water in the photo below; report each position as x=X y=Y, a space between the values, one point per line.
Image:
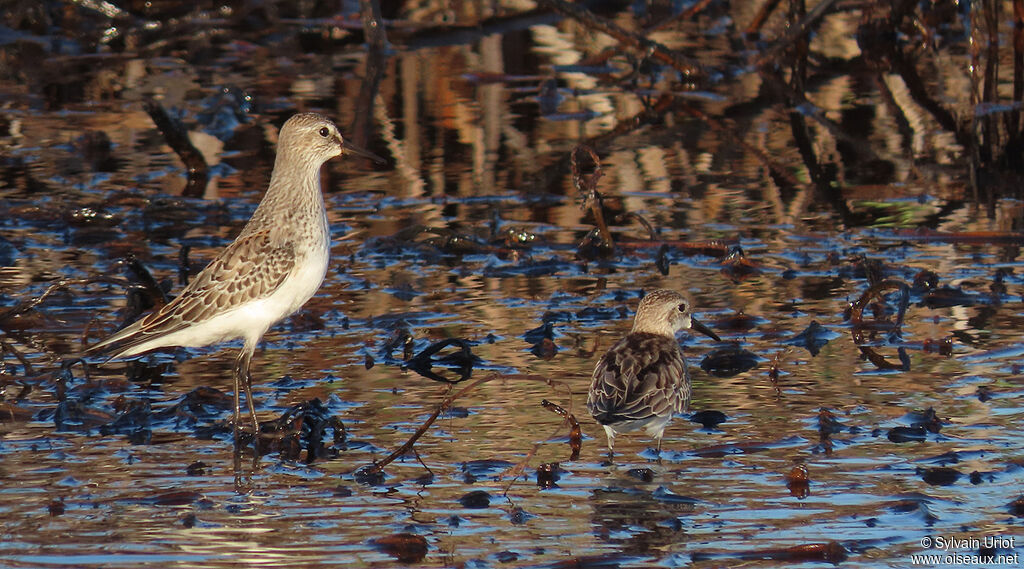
x=133 y=466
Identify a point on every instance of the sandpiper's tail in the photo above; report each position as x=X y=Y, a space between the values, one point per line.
x=118 y=343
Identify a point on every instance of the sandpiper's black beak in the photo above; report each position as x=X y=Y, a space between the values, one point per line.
x=700 y=327
x=353 y=149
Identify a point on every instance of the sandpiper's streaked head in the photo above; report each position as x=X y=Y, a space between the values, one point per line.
x=663 y=312
x=312 y=136
x=316 y=139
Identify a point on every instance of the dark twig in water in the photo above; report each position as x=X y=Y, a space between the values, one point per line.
x=154 y=291
x=877 y=290
x=798 y=100
x=651 y=233
x=419 y=459
x=65 y=367
x=183 y=265
x=685 y=65
x=414 y=36
x=26 y=305
x=773 y=369
x=968 y=237
x=682 y=16
x=711 y=247
x=575 y=433
x=373 y=24
x=755 y=25
x=989 y=127
x=822 y=176
x=9 y=348
x=177 y=138
x=515 y=471
x=779 y=171
x=1013 y=126
x=309 y=420
x=830 y=552
x=894 y=328
x=662 y=261
x=376 y=67
x=378 y=466
x=586 y=186
x=794 y=34
x=907 y=70
x=650 y=114
x=463 y=360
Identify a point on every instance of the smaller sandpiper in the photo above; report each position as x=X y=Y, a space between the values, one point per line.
x=269 y=271
x=642 y=380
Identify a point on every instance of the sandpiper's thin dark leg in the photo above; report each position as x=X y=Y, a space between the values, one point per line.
x=243 y=380
x=251 y=402
x=243 y=476
x=238 y=406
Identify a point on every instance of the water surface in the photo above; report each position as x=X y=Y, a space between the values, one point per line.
x=903 y=436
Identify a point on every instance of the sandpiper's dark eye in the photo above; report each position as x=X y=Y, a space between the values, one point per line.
x=324 y=132
x=681 y=308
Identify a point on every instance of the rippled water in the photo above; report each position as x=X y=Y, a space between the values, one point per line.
x=132 y=465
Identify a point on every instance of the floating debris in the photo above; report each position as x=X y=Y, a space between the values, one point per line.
x=729 y=361
x=798 y=482
x=813 y=338
x=709 y=419
x=907 y=434
x=475 y=500
x=405 y=547
x=575 y=433
x=461 y=362
x=939 y=475
x=548 y=475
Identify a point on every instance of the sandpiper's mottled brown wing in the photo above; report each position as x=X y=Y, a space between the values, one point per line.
x=250 y=268
x=641 y=377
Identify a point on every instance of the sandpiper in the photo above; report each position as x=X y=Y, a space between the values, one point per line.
x=272 y=268
x=642 y=380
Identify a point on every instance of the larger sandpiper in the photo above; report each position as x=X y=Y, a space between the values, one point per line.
x=269 y=271
x=642 y=380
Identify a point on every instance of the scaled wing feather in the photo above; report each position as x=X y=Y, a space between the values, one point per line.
x=249 y=269
x=639 y=378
